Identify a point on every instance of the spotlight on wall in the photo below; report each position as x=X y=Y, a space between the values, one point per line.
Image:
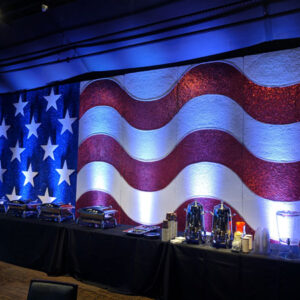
x=44 y=7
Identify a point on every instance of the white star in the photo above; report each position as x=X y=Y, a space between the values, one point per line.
x=1 y=171
x=20 y=106
x=52 y=98
x=46 y=198
x=67 y=123
x=49 y=148
x=3 y=129
x=17 y=150
x=32 y=127
x=64 y=174
x=13 y=195
x=29 y=175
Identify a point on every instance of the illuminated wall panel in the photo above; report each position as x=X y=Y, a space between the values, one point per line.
x=38 y=144
x=215 y=131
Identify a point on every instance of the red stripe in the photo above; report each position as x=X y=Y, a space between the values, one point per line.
x=279 y=105
x=275 y=181
x=100 y=198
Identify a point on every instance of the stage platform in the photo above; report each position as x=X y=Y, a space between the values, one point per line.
x=144 y=267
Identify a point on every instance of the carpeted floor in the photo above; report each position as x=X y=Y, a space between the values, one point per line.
x=14 y=284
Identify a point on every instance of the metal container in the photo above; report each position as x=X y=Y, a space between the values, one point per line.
x=23 y=208
x=221 y=235
x=194 y=228
x=97 y=216
x=57 y=212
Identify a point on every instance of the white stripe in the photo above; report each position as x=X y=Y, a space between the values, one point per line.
x=146 y=85
x=277 y=143
x=278 y=68
x=203 y=179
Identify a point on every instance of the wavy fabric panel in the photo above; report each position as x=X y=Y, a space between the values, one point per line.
x=277 y=105
x=205 y=145
x=204 y=179
x=266 y=141
x=212 y=135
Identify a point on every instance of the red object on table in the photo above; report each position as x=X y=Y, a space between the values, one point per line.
x=240 y=226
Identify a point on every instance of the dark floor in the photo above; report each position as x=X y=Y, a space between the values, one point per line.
x=14 y=284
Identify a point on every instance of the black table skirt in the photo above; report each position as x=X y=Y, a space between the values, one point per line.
x=144 y=267
x=126 y=264
x=37 y=245
x=195 y=272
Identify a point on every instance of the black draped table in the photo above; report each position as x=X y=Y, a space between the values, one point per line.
x=145 y=267
x=33 y=244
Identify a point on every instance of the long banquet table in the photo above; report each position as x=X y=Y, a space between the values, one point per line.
x=145 y=267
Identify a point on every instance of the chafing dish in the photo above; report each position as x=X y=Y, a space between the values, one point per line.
x=3 y=205
x=57 y=212
x=97 y=216
x=23 y=208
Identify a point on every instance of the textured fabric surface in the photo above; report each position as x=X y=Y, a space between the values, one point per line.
x=217 y=131
x=31 y=244
x=38 y=144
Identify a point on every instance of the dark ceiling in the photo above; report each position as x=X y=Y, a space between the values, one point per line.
x=80 y=37
x=17 y=16
x=12 y=10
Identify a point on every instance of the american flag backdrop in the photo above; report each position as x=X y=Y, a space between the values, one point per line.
x=151 y=142
x=38 y=144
